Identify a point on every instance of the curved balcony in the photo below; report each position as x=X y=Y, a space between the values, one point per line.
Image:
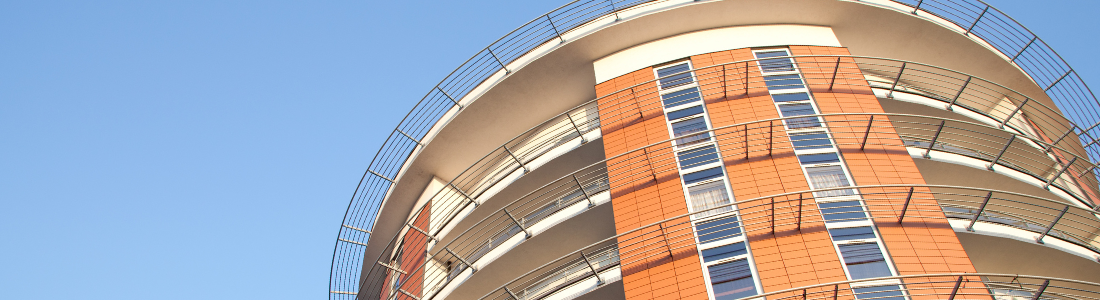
x=1051 y=222
x=539 y=210
x=972 y=18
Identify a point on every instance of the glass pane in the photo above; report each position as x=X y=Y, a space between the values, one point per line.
x=829 y=177
x=775 y=64
x=782 y=82
x=724 y=252
x=688 y=127
x=822 y=158
x=732 y=280
x=709 y=196
x=674 y=76
x=697 y=157
x=694 y=177
x=886 y=292
x=681 y=97
x=687 y=112
x=717 y=229
x=790 y=97
x=842 y=211
x=793 y=110
x=864 y=260
x=854 y=233
x=811 y=141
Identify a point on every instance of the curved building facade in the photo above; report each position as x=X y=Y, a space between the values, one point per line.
x=739 y=149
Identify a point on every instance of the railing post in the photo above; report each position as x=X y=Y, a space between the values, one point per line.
x=955 y=291
x=513 y=295
x=771 y=132
x=1046 y=186
x=1051 y=226
x=462 y=260
x=1013 y=114
x=979 y=214
x=502 y=66
x=1042 y=288
x=1064 y=135
x=836 y=289
x=1059 y=80
x=998 y=158
x=867 y=133
x=773 y=215
x=961 y=89
x=468 y=198
x=898 y=78
x=746 y=142
x=555 y=28
x=408 y=136
x=513 y=155
x=449 y=97
x=799 y=225
x=581 y=186
x=599 y=281
x=578 y=128
x=916 y=8
x=395 y=269
x=746 y=77
x=725 y=91
x=613 y=9
x=380 y=175
x=423 y=232
x=934 y=138
x=1024 y=48
x=976 y=20
x=526 y=233
x=408 y=294
x=664 y=236
x=835 y=70
x=905 y=207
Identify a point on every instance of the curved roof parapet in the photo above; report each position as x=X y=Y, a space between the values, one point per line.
x=975 y=19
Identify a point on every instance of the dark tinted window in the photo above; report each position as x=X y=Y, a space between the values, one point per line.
x=680 y=97
x=690 y=178
x=790 y=97
x=823 y=158
x=732 y=280
x=853 y=233
x=690 y=111
x=775 y=64
x=781 y=82
x=674 y=76
x=842 y=211
x=724 y=252
x=864 y=260
x=811 y=141
x=714 y=230
x=697 y=157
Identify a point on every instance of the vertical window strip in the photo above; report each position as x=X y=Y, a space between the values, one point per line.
x=858 y=245
x=729 y=267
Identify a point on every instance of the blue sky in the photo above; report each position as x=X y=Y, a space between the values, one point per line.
x=208 y=149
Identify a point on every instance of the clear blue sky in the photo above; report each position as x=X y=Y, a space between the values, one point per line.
x=208 y=149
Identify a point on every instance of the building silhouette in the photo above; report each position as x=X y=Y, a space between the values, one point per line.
x=742 y=149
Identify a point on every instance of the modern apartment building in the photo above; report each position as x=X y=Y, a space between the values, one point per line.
x=739 y=149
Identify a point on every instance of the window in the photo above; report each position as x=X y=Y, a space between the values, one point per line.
x=842 y=211
x=707 y=196
x=674 y=76
x=794 y=110
x=852 y=233
x=687 y=112
x=829 y=177
x=885 y=292
x=724 y=252
x=702 y=175
x=782 y=82
x=790 y=97
x=732 y=280
x=816 y=159
x=718 y=229
x=686 y=128
x=775 y=64
x=864 y=260
x=681 y=97
x=697 y=157
x=808 y=141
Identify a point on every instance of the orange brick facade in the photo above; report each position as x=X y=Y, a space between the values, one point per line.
x=789 y=256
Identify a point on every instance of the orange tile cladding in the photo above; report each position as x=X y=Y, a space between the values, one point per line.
x=631 y=118
x=925 y=242
x=787 y=256
x=793 y=255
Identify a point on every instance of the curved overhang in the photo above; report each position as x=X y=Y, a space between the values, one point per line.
x=559 y=75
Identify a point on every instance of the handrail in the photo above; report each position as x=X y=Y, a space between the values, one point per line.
x=1035 y=57
x=468 y=245
x=790 y=212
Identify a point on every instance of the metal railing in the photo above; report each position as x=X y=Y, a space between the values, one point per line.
x=786 y=213
x=768 y=139
x=1035 y=57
